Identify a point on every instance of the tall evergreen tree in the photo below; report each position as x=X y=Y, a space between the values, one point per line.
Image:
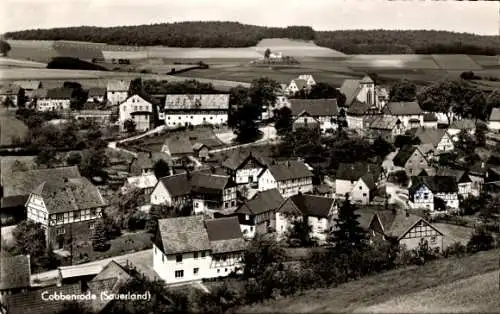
x=348 y=236
x=100 y=238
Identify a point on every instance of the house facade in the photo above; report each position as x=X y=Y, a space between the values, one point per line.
x=200 y=109
x=438 y=138
x=322 y=113
x=67 y=210
x=357 y=180
x=409 y=113
x=430 y=120
x=190 y=249
x=10 y=93
x=410 y=159
x=387 y=127
x=172 y=191
x=137 y=109
x=463 y=125
x=55 y=99
x=494 y=120
x=96 y=95
x=117 y=91
x=424 y=190
x=290 y=178
x=245 y=168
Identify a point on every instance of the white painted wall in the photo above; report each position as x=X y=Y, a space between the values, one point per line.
x=360 y=192
x=343 y=186
x=133 y=104
x=354 y=122
x=494 y=125
x=267 y=181
x=243 y=175
x=117 y=97
x=195 y=118
x=52 y=104
x=160 y=195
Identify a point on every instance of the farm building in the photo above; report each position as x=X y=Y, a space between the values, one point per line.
x=117 y=91
x=96 y=95
x=321 y=112
x=185 y=109
x=409 y=113
x=138 y=110
x=53 y=99
x=29 y=87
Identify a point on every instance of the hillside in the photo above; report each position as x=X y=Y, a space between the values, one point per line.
x=233 y=34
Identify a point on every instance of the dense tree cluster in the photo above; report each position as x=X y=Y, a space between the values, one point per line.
x=321 y=91
x=233 y=34
x=4 y=48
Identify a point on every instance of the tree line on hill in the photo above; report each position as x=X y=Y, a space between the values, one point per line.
x=233 y=34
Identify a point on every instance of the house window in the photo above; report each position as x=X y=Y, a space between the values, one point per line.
x=360 y=187
x=225 y=205
x=364 y=194
x=59 y=217
x=247 y=217
x=93 y=212
x=233 y=203
x=225 y=269
x=91 y=226
x=433 y=240
x=179 y=273
x=426 y=196
x=195 y=255
x=203 y=254
x=76 y=215
x=196 y=271
x=60 y=231
x=178 y=258
x=218 y=271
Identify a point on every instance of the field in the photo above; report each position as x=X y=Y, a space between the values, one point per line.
x=440 y=286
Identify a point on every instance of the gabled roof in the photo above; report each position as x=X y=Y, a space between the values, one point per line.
x=402 y=108
x=358 y=108
x=32 y=301
x=198 y=146
x=429 y=136
x=59 y=93
x=96 y=92
x=397 y=225
x=146 y=160
x=10 y=89
x=354 y=171
x=111 y=270
x=350 y=88
x=300 y=83
x=15 y=272
x=403 y=155
x=69 y=195
x=239 y=158
x=183 y=234
x=179 y=145
x=384 y=123
x=430 y=117
x=208 y=182
x=307 y=205
x=315 y=107
x=118 y=85
x=425 y=148
x=495 y=114
x=262 y=202
x=463 y=124
x=366 y=80
x=29 y=85
x=291 y=169
x=459 y=175
x=197 y=102
x=81 y=270
x=176 y=185
x=437 y=184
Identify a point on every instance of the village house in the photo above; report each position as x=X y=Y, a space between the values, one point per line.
x=464 y=125
x=430 y=120
x=257 y=215
x=290 y=177
x=409 y=113
x=137 y=109
x=10 y=94
x=67 y=209
x=15 y=273
x=143 y=163
x=198 y=109
x=96 y=95
x=144 y=183
x=358 y=113
x=209 y=193
x=316 y=210
x=438 y=138
x=466 y=186
x=245 y=167
x=117 y=91
x=58 y=99
x=403 y=228
x=387 y=127
x=281 y=101
x=178 y=149
x=201 y=151
x=324 y=190
x=494 y=120
x=411 y=160
x=322 y=111
x=302 y=82
x=382 y=97
x=29 y=87
x=424 y=190
x=358 y=181
x=190 y=249
x=17 y=185
x=362 y=91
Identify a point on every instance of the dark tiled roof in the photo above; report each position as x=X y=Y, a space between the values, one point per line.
x=464 y=124
x=403 y=155
x=179 y=145
x=430 y=117
x=460 y=175
x=354 y=171
x=315 y=107
x=60 y=93
x=176 y=185
x=183 y=234
x=429 y=136
x=209 y=181
x=437 y=184
x=13 y=201
x=15 y=272
x=312 y=205
x=69 y=195
x=350 y=88
x=32 y=302
x=495 y=114
x=96 y=92
x=384 y=122
x=300 y=83
x=403 y=108
x=20 y=183
x=358 y=108
x=292 y=169
x=198 y=146
x=146 y=160
x=223 y=229
x=110 y=280
x=10 y=89
x=197 y=102
x=262 y=202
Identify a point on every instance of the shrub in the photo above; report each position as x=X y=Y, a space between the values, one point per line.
x=481 y=240
x=456 y=249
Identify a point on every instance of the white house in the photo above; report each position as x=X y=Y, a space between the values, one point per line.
x=138 y=110
x=424 y=190
x=362 y=90
x=30 y=87
x=358 y=113
x=324 y=111
x=53 y=99
x=117 y=91
x=409 y=113
x=96 y=95
x=466 y=185
x=494 y=120
x=245 y=167
x=357 y=180
x=190 y=249
x=172 y=190
x=430 y=120
x=187 y=109
x=440 y=140
x=387 y=127
x=290 y=178
x=465 y=125
x=302 y=82
x=318 y=211
x=382 y=97
x=281 y=101
x=257 y=215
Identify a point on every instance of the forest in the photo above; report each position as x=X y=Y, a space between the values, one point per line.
x=234 y=34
